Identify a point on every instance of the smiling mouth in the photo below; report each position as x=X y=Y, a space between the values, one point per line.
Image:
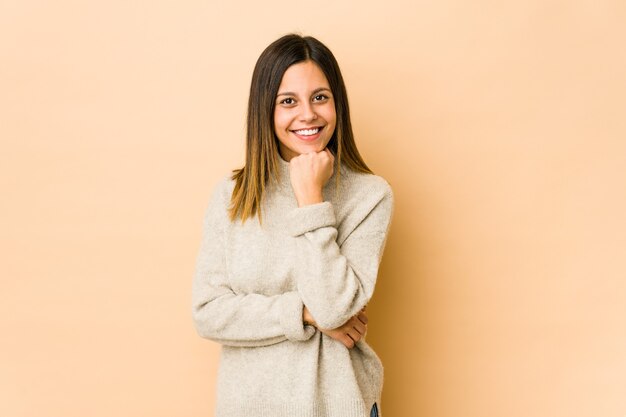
x=308 y=132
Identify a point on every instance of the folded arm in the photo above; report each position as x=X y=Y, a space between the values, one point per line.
x=340 y=278
x=221 y=315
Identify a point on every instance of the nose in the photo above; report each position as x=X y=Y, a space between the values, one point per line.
x=308 y=112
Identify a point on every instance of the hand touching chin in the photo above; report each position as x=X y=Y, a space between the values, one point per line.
x=309 y=173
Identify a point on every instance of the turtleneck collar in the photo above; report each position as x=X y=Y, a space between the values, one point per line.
x=284 y=179
x=283 y=170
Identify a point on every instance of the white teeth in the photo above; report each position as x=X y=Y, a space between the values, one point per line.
x=307 y=132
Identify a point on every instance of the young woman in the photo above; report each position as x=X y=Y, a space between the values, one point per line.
x=291 y=247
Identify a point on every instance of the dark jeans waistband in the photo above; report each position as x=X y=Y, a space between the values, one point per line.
x=374 y=412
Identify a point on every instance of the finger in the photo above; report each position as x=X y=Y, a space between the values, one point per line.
x=362 y=317
x=359 y=327
x=354 y=335
x=347 y=341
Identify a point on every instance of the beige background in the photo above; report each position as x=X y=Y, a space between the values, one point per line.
x=500 y=125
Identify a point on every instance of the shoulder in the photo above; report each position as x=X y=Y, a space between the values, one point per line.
x=365 y=187
x=364 y=202
x=225 y=185
x=362 y=195
x=219 y=197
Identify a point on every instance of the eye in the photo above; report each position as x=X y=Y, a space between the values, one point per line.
x=288 y=100
x=321 y=97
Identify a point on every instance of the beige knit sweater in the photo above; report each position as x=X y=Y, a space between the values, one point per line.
x=251 y=283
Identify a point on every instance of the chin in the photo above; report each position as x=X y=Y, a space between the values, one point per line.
x=307 y=149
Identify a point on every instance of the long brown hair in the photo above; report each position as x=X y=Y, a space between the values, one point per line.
x=261 y=142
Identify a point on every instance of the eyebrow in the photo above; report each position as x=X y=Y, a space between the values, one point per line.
x=289 y=93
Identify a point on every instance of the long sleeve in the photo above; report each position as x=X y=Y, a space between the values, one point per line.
x=340 y=278
x=220 y=314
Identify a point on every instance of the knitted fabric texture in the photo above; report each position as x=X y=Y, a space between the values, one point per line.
x=252 y=281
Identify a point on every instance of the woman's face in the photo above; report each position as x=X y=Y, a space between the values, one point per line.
x=304 y=116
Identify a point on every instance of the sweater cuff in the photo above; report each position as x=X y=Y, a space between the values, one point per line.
x=310 y=217
x=291 y=318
